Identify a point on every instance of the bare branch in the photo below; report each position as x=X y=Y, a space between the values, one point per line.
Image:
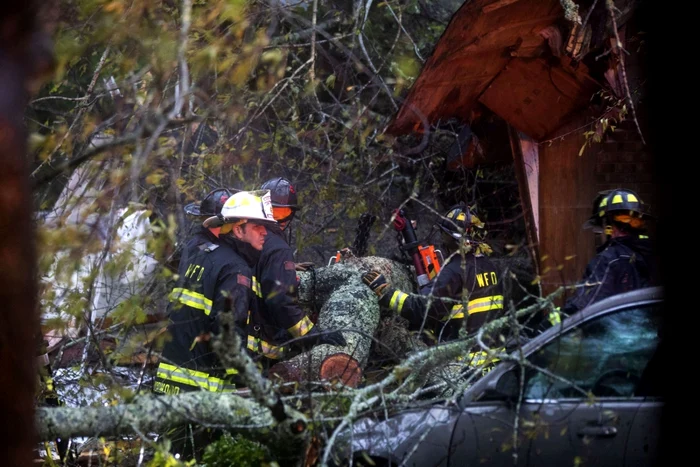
x=618 y=45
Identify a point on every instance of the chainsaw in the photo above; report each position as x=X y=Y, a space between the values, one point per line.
x=424 y=257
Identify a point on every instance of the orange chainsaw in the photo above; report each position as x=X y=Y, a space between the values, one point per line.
x=425 y=258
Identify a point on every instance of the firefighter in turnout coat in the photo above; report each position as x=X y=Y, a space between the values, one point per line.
x=215 y=269
x=625 y=261
x=466 y=293
x=278 y=318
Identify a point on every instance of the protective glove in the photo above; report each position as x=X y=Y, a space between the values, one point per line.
x=303 y=266
x=555 y=316
x=377 y=282
x=317 y=336
x=242 y=335
x=332 y=338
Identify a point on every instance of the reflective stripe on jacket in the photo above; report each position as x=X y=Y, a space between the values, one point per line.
x=212 y=271
x=277 y=316
x=192 y=379
x=475 y=278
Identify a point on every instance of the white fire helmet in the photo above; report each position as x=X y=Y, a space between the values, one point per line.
x=244 y=206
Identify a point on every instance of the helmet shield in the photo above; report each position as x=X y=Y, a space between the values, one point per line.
x=284 y=198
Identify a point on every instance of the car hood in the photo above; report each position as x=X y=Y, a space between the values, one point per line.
x=396 y=434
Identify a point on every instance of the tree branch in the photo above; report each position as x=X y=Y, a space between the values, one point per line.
x=81 y=111
x=158 y=413
x=618 y=46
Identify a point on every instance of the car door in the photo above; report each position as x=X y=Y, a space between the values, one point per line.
x=588 y=398
x=582 y=394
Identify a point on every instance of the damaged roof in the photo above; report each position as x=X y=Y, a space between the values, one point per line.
x=508 y=55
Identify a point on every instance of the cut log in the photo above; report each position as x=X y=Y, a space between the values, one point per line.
x=348 y=305
x=316 y=286
x=341 y=368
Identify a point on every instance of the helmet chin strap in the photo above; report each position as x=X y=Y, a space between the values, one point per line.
x=288 y=220
x=289 y=234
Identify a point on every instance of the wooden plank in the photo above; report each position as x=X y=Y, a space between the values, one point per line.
x=496 y=5
x=529 y=205
x=534 y=95
x=567 y=189
x=470 y=54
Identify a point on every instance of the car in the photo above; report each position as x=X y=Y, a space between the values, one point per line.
x=585 y=392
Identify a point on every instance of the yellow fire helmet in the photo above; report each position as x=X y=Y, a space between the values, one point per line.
x=242 y=207
x=459 y=222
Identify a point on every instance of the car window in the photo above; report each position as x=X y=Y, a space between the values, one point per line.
x=611 y=356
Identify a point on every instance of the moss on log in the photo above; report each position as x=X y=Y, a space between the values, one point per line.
x=347 y=305
x=317 y=286
x=158 y=413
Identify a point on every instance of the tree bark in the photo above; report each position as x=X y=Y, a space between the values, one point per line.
x=19 y=63
x=158 y=413
x=348 y=305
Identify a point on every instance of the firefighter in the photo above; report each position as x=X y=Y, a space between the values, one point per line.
x=468 y=279
x=217 y=264
x=278 y=317
x=215 y=273
x=625 y=261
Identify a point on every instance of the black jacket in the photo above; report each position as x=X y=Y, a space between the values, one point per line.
x=477 y=276
x=621 y=264
x=277 y=316
x=210 y=270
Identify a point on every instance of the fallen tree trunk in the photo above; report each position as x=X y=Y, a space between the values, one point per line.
x=158 y=413
x=348 y=305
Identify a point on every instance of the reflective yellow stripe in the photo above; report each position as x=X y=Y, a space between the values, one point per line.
x=400 y=297
x=194 y=378
x=479 y=305
x=192 y=299
x=301 y=328
x=457 y=312
x=392 y=302
x=401 y=300
x=257 y=289
x=477 y=358
x=268 y=350
x=481 y=357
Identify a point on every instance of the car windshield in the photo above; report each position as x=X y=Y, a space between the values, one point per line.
x=606 y=356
